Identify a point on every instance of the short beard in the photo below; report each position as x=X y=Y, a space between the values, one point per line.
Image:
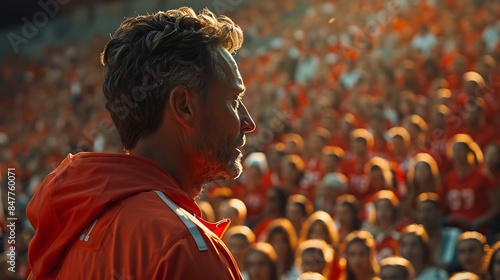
x=219 y=162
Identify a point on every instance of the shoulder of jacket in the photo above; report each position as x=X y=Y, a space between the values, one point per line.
x=147 y=215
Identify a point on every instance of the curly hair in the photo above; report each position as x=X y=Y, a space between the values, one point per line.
x=150 y=55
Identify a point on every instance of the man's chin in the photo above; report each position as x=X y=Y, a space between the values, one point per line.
x=232 y=171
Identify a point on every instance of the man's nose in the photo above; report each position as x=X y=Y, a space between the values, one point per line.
x=247 y=123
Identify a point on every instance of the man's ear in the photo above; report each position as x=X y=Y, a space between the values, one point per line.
x=181 y=104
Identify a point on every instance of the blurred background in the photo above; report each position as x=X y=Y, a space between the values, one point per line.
x=350 y=98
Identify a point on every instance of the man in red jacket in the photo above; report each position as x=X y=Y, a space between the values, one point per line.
x=174 y=93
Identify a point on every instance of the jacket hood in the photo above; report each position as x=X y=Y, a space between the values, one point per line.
x=79 y=190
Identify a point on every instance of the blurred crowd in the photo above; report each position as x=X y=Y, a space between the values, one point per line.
x=377 y=147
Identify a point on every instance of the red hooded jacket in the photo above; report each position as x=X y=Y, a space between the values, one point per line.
x=112 y=216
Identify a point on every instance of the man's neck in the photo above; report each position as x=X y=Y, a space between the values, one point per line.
x=172 y=163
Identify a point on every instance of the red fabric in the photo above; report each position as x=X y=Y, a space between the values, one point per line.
x=261 y=228
x=358 y=181
x=494 y=178
x=306 y=190
x=387 y=244
x=466 y=196
x=455 y=83
x=339 y=140
x=270 y=179
x=136 y=234
x=335 y=268
x=312 y=177
x=255 y=200
x=438 y=140
x=381 y=149
x=482 y=136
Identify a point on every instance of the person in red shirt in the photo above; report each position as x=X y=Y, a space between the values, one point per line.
x=175 y=95
x=473 y=88
x=457 y=69
x=360 y=260
x=437 y=135
x=377 y=127
x=353 y=168
x=341 y=138
x=469 y=198
x=253 y=188
x=275 y=208
x=417 y=127
x=383 y=222
x=475 y=123
x=332 y=159
x=313 y=163
x=274 y=156
x=423 y=176
x=298 y=209
x=380 y=177
x=400 y=147
x=292 y=169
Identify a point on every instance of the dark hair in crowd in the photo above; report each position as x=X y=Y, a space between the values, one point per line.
x=150 y=55
x=366 y=238
x=349 y=201
x=284 y=227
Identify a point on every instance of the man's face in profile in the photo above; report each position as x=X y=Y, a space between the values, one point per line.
x=223 y=121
